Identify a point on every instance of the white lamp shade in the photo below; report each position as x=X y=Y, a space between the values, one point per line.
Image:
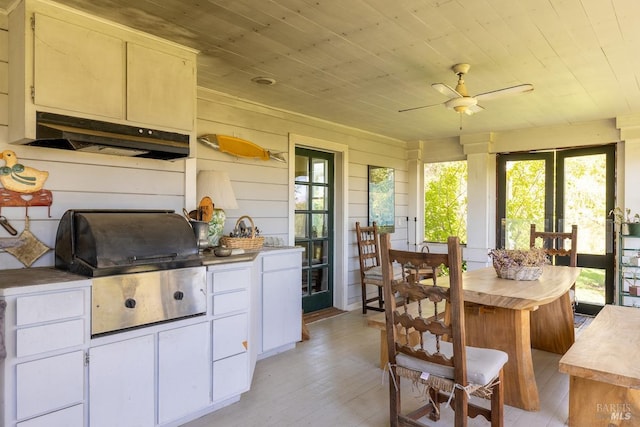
x=216 y=184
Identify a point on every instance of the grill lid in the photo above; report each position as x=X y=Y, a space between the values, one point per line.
x=106 y=242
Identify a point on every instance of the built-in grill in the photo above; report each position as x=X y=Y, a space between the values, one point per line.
x=144 y=264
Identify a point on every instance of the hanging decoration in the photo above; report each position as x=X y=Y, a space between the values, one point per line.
x=29 y=248
x=22 y=187
x=239 y=147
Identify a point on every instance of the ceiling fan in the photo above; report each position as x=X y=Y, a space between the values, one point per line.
x=459 y=99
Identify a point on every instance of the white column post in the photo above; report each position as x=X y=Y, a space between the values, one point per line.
x=481 y=198
x=628 y=155
x=415 y=208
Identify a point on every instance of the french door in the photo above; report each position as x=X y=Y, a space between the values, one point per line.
x=555 y=190
x=314 y=195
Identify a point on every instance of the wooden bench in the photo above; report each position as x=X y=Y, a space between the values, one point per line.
x=604 y=369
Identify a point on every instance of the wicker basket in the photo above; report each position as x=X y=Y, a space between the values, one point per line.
x=253 y=242
x=518 y=273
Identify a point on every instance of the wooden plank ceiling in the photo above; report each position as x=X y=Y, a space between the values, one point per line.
x=358 y=62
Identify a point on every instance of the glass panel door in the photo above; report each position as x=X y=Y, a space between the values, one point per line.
x=585 y=188
x=314 y=226
x=555 y=190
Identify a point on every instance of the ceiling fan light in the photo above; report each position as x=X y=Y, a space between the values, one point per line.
x=460 y=104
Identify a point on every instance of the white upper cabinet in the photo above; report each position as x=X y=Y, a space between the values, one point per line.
x=70 y=63
x=160 y=88
x=75 y=67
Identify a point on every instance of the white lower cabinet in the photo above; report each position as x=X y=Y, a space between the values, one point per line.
x=230 y=289
x=49 y=384
x=162 y=375
x=230 y=336
x=230 y=356
x=230 y=376
x=121 y=383
x=68 y=417
x=184 y=371
x=281 y=300
x=46 y=335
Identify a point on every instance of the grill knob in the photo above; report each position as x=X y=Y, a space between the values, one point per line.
x=130 y=303
x=178 y=295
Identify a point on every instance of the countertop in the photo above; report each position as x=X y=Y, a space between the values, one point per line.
x=12 y=280
x=15 y=279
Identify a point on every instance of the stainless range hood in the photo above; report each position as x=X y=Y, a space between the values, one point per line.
x=72 y=133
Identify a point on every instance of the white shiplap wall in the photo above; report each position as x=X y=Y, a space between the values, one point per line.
x=263 y=188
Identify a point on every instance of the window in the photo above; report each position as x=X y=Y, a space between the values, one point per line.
x=445 y=201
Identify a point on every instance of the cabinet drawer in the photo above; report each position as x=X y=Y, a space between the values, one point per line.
x=230 y=302
x=48 y=384
x=231 y=280
x=68 y=417
x=281 y=261
x=49 y=307
x=230 y=336
x=55 y=336
x=230 y=376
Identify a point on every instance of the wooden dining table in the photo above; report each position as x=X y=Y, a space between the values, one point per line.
x=513 y=316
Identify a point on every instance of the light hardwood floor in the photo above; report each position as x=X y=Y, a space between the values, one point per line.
x=334 y=380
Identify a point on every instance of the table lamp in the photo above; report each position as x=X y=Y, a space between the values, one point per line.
x=217 y=186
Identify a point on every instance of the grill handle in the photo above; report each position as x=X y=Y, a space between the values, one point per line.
x=135 y=258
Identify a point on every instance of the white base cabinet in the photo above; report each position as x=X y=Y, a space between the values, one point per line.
x=69 y=417
x=184 y=371
x=281 y=274
x=230 y=289
x=43 y=378
x=121 y=383
x=166 y=374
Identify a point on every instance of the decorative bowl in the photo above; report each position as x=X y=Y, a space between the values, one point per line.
x=222 y=251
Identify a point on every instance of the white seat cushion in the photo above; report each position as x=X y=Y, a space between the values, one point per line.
x=376 y=272
x=483 y=364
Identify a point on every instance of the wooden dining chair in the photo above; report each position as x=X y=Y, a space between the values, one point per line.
x=555 y=245
x=370 y=267
x=448 y=370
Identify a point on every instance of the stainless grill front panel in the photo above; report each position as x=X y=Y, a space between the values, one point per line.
x=131 y=300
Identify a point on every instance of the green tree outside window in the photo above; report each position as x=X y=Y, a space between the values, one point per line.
x=445 y=200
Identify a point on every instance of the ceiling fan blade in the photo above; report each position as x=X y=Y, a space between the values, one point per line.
x=472 y=109
x=418 y=108
x=446 y=90
x=507 y=91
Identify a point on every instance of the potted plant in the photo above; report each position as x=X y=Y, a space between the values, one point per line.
x=518 y=264
x=629 y=224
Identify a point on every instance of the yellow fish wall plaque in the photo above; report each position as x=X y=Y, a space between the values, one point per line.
x=239 y=147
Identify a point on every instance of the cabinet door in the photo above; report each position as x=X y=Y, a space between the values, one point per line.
x=49 y=384
x=68 y=417
x=230 y=376
x=184 y=371
x=160 y=88
x=281 y=308
x=121 y=383
x=78 y=69
x=230 y=336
